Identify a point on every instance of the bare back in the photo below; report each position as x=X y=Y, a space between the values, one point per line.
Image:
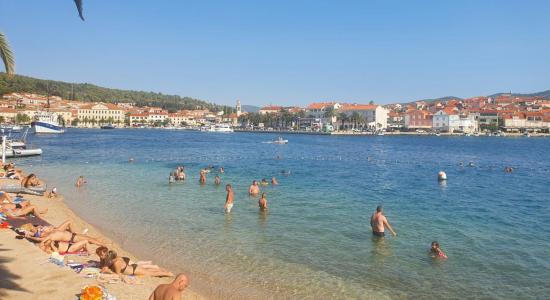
x=165 y=292
x=377 y=222
x=229 y=198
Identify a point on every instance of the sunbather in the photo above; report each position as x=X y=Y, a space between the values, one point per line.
x=111 y=263
x=39 y=233
x=30 y=181
x=70 y=237
x=19 y=212
x=64 y=247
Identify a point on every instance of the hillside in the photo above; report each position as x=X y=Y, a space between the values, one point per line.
x=93 y=93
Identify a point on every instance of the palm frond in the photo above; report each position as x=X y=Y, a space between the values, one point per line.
x=6 y=55
x=79 y=8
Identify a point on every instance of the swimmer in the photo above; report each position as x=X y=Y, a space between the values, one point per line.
x=264 y=182
x=221 y=170
x=217 y=180
x=131 y=160
x=508 y=169
x=80 y=181
x=436 y=252
x=378 y=223
x=262 y=203
x=202 y=179
x=254 y=189
x=274 y=181
x=471 y=164
x=228 y=199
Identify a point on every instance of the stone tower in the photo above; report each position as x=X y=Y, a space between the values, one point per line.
x=238 y=107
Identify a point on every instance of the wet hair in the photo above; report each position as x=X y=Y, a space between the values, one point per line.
x=228 y=185
x=434 y=243
x=263 y=195
x=379 y=208
x=253 y=181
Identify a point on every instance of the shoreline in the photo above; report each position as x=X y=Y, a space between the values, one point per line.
x=26 y=274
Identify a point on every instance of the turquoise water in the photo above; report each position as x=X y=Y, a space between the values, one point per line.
x=315 y=241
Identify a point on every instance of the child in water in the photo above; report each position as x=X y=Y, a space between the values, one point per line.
x=436 y=252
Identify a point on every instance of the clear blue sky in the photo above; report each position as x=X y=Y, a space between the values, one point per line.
x=287 y=52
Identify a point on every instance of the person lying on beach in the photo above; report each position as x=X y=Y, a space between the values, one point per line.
x=6 y=198
x=378 y=223
x=217 y=180
x=70 y=237
x=39 y=233
x=14 y=206
x=11 y=172
x=264 y=182
x=171 y=291
x=436 y=252
x=262 y=203
x=64 y=247
x=20 y=212
x=254 y=189
x=229 y=198
x=30 y=181
x=111 y=263
x=274 y=181
x=80 y=181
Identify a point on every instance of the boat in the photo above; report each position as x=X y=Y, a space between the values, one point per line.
x=217 y=128
x=527 y=134
x=279 y=141
x=18 y=148
x=380 y=133
x=108 y=126
x=46 y=122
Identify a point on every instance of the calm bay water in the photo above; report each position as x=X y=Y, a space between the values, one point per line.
x=315 y=241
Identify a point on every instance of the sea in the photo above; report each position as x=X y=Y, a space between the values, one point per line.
x=315 y=241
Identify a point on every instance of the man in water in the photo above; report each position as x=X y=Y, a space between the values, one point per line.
x=262 y=203
x=254 y=189
x=378 y=222
x=217 y=180
x=228 y=199
x=172 y=290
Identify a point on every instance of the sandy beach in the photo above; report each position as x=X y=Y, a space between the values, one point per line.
x=26 y=273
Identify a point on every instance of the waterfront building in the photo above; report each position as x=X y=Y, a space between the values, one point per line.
x=527 y=121
x=418 y=119
x=91 y=115
x=371 y=116
x=271 y=109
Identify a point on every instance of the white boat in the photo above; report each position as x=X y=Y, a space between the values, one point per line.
x=46 y=122
x=217 y=128
x=18 y=149
x=527 y=134
x=279 y=141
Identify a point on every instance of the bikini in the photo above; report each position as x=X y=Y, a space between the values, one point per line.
x=127 y=261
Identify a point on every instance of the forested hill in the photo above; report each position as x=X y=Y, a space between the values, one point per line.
x=93 y=93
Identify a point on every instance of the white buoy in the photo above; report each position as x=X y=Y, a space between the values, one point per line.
x=441 y=176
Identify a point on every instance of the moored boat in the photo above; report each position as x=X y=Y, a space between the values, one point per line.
x=46 y=122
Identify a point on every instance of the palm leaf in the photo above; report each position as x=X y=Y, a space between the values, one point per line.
x=6 y=55
x=79 y=8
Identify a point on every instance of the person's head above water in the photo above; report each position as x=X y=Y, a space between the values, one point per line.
x=181 y=282
x=228 y=187
x=379 y=208
x=254 y=182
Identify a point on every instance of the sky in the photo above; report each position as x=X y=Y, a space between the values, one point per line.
x=287 y=52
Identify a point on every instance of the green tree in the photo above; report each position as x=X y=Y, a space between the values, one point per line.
x=2 y=119
x=22 y=118
x=75 y=122
x=5 y=51
x=93 y=121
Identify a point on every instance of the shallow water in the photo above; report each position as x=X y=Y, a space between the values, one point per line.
x=315 y=241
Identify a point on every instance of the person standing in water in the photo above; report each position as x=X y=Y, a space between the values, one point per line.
x=202 y=179
x=80 y=181
x=228 y=199
x=217 y=180
x=262 y=203
x=254 y=189
x=378 y=222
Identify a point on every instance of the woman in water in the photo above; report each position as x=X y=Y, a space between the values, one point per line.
x=436 y=252
x=264 y=182
x=274 y=181
x=111 y=263
x=202 y=179
x=217 y=180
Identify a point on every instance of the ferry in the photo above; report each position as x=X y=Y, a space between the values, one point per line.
x=217 y=128
x=108 y=126
x=46 y=122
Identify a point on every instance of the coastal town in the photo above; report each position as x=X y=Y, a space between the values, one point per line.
x=505 y=113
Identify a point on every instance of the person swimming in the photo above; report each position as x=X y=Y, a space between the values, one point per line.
x=436 y=252
x=221 y=170
x=254 y=189
x=508 y=169
x=264 y=182
x=274 y=181
x=80 y=181
x=262 y=203
x=217 y=180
